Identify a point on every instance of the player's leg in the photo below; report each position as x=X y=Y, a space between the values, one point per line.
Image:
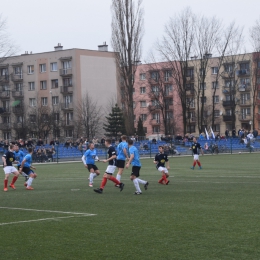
x=121 y=166
x=6 y=181
x=91 y=174
x=16 y=175
x=198 y=162
x=133 y=177
x=32 y=176
x=194 y=161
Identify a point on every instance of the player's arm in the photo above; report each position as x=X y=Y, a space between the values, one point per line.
x=168 y=164
x=110 y=159
x=155 y=160
x=22 y=164
x=201 y=151
x=4 y=160
x=83 y=158
x=130 y=160
x=126 y=154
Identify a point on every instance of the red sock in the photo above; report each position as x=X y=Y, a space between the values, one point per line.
x=14 y=180
x=194 y=163
x=199 y=164
x=5 y=183
x=103 y=183
x=113 y=179
x=161 y=180
x=164 y=178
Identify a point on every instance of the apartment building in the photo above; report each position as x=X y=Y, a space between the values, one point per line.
x=57 y=79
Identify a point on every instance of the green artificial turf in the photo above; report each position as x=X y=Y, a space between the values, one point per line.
x=212 y=213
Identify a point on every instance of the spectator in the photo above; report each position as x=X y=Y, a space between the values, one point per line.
x=206 y=147
x=201 y=137
x=40 y=142
x=67 y=144
x=178 y=138
x=52 y=142
x=250 y=137
x=133 y=138
x=154 y=141
x=102 y=141
x=227 y=134
x=255 y=133
x=234 y=133
x=57 y=141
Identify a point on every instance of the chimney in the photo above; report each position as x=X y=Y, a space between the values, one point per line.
x=58 y=47
x=103 y=47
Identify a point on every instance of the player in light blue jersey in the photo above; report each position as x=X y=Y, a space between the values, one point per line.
x=122 y=156
x=136 y=166
x=19 y=155
x=88 y=160
x=26 y=167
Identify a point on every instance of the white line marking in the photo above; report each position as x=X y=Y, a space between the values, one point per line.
x=51 y=211
x=33 y=220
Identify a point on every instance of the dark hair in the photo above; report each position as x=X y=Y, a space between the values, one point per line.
x=124 y=137
x=161 y=147
x=30 y=149
x=108 y=141
x=130 y=142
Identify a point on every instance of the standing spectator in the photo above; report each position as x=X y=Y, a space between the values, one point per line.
x=255 y=133
x=227 y=134
x=102 y=141
x=178 y=138
x=67 y=144
x=40 y=142
x=201 y=137
x=30 y=143
x=57 y=141
x=234 y=133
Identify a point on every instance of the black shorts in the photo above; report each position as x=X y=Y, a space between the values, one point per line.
x=92 y=166
x=120 y=164
x=136 y=171
x=27 y=170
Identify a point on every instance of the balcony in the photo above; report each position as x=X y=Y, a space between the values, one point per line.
x=65 y=72
x=190 y=92
x=244 y=117
x=17 y=94
x=18 y=125
x=244 y=88
x=227 y=118
x=190 y=78
x=5 y=126
x=4 y=78
x=67 y=106
x=66 y=89
x=5 y=110
x=191 y=120
x=245 y=102
x=18 y=110
x=228 y=90
x=228 y=103
x=242 y=73
x=155 y=122
x=17 y=77
x=5 y=94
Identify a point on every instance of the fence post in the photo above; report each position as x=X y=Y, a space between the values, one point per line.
x=57 y=158
x=150 y=150
x=231 y=142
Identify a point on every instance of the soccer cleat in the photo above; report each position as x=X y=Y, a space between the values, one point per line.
x=90 y=185
x=25 y=184
x=137 y=193
x=146 y=185
x=200 y=168
x=192 y=167
x=160 y=182
x=12 y=186
x=98 y=190
x=117 y=185
x=29 y=188
x=121 y=185
x=5 y=189
x=167 y=182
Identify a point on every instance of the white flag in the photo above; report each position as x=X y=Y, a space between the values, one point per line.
x=213 y=136
x=207 y=135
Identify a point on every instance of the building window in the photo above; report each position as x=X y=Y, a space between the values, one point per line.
x=169 y=115
x=143 y=117
x=216 y=99
x=32 y=118
x=190 y=102
x=31 y=86
x=202 y=85
x=55 y=100
x=45 y=118
x=142 y=76
x=67 y=82
x=190 y=128
x=44 y=101
x=156 y=117
x=54 y=66
x=18 y=87
x=19 y=119
x=143 y=103
x=7 y=135
x=56 y=117
x=245 y=81
x=69 y=133
x=69 y=118
x=228 y=68
x=156 y=129
x=167 y=75
x=32 y=102
x=6 y=119
x=142 y=90
x=145 y=130
x=168 y=89
x=244 y=66
x=43 y=84
x=30 y=69
x=54 y=83
x=18 y=71
x=203 y=100
x=228 y=113
x=155 y=103
x=216 y=128
x=190 y=73
x=155 y=75
x=66 y=64
x=4 y=72
x=216 y=113
x=215 y=85
x=42 y=68
x=214 y=70
x=155 y=90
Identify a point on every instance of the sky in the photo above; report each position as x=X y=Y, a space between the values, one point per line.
x=38 y=26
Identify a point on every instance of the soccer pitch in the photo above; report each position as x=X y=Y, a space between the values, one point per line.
x=211 y=213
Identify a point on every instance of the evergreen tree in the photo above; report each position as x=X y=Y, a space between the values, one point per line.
x=140 y=128
x=115 y=125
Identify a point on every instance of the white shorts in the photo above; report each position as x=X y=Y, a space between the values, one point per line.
x=9 y=169
x=196 y=157
x=160 y=169
x=110 y=169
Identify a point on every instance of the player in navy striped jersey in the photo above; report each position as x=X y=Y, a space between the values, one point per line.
x=195 y=147
x=160 y=159
x=110 y=168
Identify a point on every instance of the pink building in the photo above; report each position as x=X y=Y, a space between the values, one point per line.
x=156 y=100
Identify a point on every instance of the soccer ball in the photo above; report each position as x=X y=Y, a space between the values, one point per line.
x=239 y=152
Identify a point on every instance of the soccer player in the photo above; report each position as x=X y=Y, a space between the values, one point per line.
x=160 y=160
x=88 y=160
x=8 y=159
x=26 y=167
x=195 y=147
x=136 y=166
x=110 y=168
x=19 y=155
x=122 y=155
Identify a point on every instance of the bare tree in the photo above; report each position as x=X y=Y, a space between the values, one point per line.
x=176 y=50
x=89 y=116
x=127 y=33
x=7 y=47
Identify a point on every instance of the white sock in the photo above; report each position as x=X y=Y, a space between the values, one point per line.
x=135 y=181
x=29 y=182
x=91 y=177
x=118 y=177
x=94 y=175
x=141 y=181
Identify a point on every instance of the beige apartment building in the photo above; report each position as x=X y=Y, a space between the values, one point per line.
x=57 y=79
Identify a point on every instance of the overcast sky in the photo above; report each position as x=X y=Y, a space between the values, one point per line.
x=38 y=26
